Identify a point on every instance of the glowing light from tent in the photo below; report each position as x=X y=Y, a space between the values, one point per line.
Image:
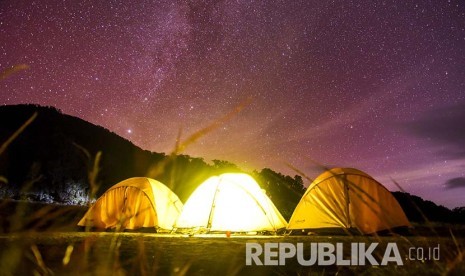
x=230 y=202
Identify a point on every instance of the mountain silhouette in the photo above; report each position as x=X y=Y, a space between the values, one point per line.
x=54 y=160
x=58 y=158
x=56 y=152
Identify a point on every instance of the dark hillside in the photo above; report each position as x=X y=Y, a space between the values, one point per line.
x=51 y=152
x=51 y=159
x=420 y=210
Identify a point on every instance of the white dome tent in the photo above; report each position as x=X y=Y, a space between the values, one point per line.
x=231 y=202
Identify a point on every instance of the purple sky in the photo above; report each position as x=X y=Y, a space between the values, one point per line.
x=375 y=85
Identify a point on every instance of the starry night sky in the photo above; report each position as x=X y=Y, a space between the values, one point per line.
x=375 y=85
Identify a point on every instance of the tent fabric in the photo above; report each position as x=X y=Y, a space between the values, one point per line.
x=135 y=203
x=348 y=198
x=230 y=202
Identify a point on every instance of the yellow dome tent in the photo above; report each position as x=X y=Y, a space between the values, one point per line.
x=134 y=203
x=347 y=198
x=230 y=202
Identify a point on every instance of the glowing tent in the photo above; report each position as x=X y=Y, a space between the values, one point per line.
x=134 y=203
x=230 y=202
x=347 y=198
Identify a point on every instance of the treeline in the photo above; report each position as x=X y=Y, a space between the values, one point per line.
x=420 y=210
x=63 y=159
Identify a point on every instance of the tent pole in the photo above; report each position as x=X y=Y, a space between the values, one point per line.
x=210 y=217
x=346 y=196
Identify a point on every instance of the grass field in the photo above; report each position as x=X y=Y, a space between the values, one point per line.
x=41 y=239
x=84 y=253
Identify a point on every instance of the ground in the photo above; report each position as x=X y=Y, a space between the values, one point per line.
x=42 y=244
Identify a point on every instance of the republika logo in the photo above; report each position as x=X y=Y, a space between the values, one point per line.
x=321 y=254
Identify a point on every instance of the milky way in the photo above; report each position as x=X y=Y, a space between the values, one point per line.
x=358 y=84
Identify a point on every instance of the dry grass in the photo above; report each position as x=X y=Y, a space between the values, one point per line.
x=88 y=253
x=12 y=70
